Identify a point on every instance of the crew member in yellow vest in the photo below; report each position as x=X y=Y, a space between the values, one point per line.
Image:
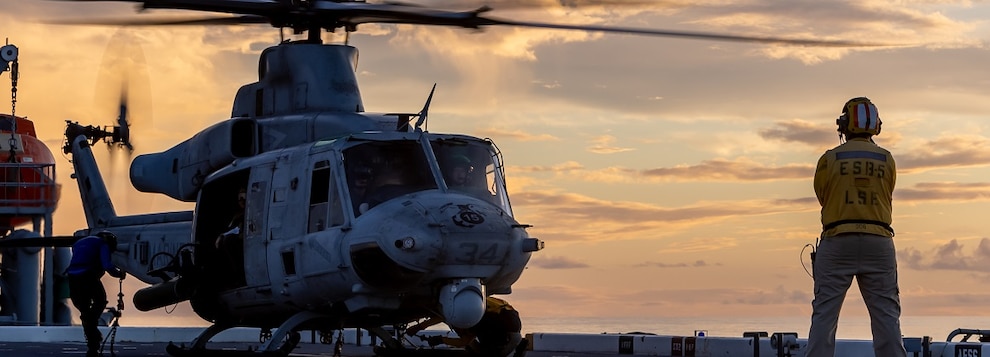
x=496 y=335
x=854 y=183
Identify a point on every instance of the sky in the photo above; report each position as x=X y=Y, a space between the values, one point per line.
x=668 y=177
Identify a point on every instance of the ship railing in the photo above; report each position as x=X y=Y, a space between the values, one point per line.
x=27 y=188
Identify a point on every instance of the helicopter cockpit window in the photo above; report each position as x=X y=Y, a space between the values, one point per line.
x=380 y=171
x=471 y=168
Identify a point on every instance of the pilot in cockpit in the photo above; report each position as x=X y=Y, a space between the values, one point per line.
x=458 y=171
x=391 y=180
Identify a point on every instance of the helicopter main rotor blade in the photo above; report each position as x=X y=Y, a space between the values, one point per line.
x=170 y=21
x=472 y=19
x=535 y=4
x=686 y=34
x=226 y=6
x=313 y=15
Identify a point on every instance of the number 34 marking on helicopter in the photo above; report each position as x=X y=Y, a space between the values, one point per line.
x=473 y=252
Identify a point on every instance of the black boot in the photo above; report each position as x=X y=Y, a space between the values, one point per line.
x=93 y=341
x=93 y=350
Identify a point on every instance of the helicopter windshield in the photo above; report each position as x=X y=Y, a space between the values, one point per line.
x=382 y=170
x=471 y=167
x=378 y=171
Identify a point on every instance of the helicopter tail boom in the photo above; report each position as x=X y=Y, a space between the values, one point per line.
x=142 y=238
x=92 y=189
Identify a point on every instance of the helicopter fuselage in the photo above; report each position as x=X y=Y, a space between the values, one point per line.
x=374 y=228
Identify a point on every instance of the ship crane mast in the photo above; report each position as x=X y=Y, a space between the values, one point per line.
x=28 y=195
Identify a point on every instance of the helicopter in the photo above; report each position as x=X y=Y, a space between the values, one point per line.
x=311 y=213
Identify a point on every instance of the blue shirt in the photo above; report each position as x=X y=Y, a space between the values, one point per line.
x=91 y=255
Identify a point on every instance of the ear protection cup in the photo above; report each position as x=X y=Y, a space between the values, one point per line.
x=842 y=122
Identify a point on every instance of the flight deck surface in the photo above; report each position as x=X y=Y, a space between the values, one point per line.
x=131 y=349
x=32 y=341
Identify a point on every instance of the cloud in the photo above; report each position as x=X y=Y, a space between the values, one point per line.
x=603 y=145
x=940 y=153
x=583 y=207
x=800 y=131
x=574 y=217
x=949 y=256
x=564 y=168
x=518 y=135
x=778 y=295
x=695 y=264
x=556 y=262
x=741 y=169
x=904 y=23
x=945 y=151
x=700 y=245
x=731 y=170
x=944 y=191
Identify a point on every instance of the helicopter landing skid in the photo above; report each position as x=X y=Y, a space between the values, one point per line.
x=180 y=351
x=280 y=343
x=287 y=346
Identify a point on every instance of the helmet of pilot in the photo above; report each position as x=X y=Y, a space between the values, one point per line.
x=459 y=168
x=859 y=118
x=460 y=161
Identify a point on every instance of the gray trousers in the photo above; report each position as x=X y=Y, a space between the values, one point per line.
x=872 y=261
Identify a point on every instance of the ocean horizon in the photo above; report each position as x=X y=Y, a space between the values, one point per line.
x=850 y=327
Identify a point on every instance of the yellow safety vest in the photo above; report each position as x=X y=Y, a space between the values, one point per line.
x=854 y=183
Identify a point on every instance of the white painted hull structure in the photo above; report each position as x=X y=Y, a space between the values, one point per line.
x=963 y=342
x=757 y=344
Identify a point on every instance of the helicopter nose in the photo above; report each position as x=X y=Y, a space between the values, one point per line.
x=438 y=236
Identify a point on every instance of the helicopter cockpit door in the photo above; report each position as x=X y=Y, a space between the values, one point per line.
x=256 y=225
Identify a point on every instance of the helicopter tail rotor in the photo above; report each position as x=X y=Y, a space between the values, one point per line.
x=121 y=131
x=123 y=85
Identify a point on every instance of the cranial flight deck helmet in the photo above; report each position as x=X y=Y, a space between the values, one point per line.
x=859 y=116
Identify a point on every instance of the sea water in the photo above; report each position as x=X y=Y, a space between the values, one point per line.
x=937 y=327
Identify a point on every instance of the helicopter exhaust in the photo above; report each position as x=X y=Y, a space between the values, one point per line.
x=463 y=302
x=162 y=295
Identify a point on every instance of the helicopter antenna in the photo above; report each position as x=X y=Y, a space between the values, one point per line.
x=426 y=108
